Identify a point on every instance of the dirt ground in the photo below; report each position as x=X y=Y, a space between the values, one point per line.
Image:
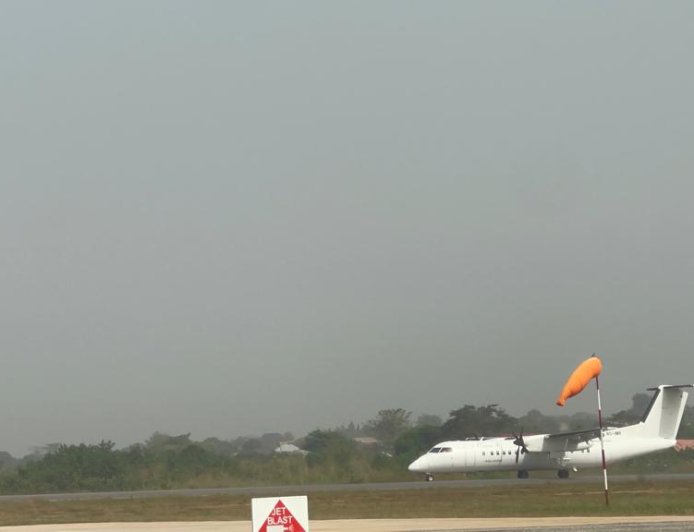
x=350 y=525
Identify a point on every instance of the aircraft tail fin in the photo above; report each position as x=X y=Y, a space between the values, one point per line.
x=664 y=413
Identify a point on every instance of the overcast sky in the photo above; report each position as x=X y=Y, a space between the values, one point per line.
x=234 y=218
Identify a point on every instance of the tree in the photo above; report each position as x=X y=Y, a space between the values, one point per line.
x=639 y=404
x=415 y=441
x=252 y=446
x=329 y=446
x=471 y=421
x=351 y=430
x=687 y=426
x=7 y=461
x=535 y=422
x=164 y=442
x=217 y=446
x=323 y=441
x=270 y=441
x=76 y=467
x=389 y=424
x=429 y=420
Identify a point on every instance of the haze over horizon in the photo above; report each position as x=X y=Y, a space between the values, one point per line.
x=235 y=218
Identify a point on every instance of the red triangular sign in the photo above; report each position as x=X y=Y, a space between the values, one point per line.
x=281 y=520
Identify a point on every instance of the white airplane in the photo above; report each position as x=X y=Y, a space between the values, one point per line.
x=657 y=430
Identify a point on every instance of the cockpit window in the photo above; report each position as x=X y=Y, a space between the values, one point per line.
x=446 y=450
x=436 y=450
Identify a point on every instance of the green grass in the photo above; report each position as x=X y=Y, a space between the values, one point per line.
x=629 y=498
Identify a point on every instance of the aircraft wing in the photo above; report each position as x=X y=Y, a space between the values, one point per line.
x=563 y=441
x=577 y=435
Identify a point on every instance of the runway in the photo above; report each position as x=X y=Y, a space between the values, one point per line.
x=600 y=524
x=263 y=491
x=543 y=524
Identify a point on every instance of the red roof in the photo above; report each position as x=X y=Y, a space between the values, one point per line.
x=681 y=445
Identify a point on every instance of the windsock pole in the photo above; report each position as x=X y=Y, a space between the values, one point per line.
x=602 y=444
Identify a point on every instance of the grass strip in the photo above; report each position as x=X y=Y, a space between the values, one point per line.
x=661 y=498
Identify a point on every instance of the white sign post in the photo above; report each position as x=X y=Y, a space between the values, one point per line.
x=280 y=514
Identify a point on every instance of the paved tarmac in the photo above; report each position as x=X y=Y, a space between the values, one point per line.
x=546 y=524
x=317 y=488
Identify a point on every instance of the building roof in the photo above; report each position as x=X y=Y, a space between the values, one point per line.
x=289 y=448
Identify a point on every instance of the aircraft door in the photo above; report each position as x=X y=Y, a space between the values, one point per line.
x=445 y=459
x=470 y=455
x=464 y=459
x=461 y=457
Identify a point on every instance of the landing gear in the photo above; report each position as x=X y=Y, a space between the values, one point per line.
x=563 y=473
x=523 y=474
x=428 y=477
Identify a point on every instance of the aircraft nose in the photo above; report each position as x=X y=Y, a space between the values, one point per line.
x=418 y=466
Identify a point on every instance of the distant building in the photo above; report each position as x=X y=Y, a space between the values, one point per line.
x=367 y=441
x=289 y=448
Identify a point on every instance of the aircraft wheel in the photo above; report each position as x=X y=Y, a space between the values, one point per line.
x=563 y=473
x=523 y=474
x=429 y=477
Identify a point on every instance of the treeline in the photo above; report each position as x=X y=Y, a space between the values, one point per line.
x=376 y=451
x=328 y=456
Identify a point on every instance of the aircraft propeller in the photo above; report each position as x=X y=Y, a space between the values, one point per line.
x=519 y=443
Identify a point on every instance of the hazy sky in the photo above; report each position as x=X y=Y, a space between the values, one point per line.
x=234 y=218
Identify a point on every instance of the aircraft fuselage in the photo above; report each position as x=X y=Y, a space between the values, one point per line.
x=499 y=454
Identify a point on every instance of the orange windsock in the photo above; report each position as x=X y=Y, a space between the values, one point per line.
x=582 y=375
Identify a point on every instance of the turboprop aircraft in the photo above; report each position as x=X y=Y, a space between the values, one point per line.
x=657 y=430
